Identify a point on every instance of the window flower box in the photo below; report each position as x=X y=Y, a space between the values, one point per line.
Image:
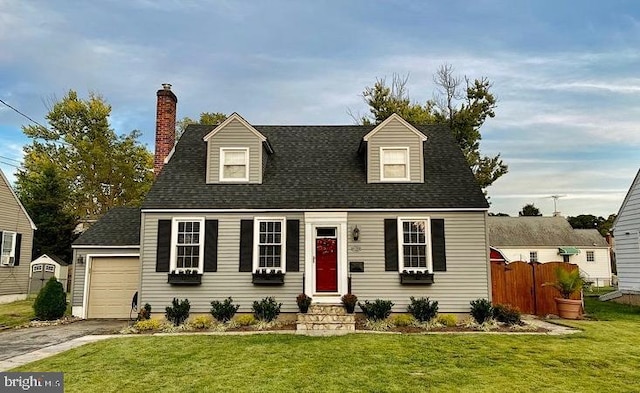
x=184 y=277
x=416 y=278
x=268 y=277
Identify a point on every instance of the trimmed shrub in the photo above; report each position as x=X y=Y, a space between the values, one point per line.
x=481 y=310
x=225 y=310
x=377 y=310
x=200 y=322
x=51 y=302
x=423 y=309
x=245 y=320
x=349 y=301
x=266 y=309
x=148 y=324
x=507 y=314
x=178 y=312
x=402 y=320
x=448 y=320
x=145 y=312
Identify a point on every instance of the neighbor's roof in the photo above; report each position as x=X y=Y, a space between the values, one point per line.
x=540 y=231
x=119 y=227
x=316 y=167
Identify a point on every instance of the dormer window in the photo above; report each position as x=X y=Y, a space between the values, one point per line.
x=234 y=164
x=394 y=165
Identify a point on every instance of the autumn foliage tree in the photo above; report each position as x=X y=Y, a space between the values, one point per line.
x=98 y=168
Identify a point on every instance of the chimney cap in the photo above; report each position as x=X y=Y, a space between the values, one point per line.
x=166 y=86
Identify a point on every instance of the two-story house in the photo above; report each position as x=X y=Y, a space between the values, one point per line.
x=251 y=211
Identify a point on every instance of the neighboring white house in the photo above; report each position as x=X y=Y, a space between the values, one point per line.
x=626 y=230
x=552 y=239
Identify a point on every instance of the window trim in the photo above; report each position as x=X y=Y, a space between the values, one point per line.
x=427 y=238
x=36 y=268
x=223 y=152
x=533 y=256
x=173 y=260
x=407 y=164
x=593 y=256
x=12 y=252
x=49 y=268
x=283 y=243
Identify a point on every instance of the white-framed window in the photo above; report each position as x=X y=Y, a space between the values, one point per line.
x=8 y=248
x=591 y=256
x=414 y=251
x=394 y=164
x=269 y=235
x=533 y=256
x=187 y=251
x=37 y=268
x=234 y=164
x=49 y=268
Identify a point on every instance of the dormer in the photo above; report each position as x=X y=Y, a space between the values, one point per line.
x=395 y=152
x=236 y=152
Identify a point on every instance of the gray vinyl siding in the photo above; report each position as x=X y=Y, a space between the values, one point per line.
x=627 y=237
x=235 y=134
x=15 y=279
x=227 y=280
x=395 y=134
x=466 y=277
x=78 y=275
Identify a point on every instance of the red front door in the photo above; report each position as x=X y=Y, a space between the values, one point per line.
x=326 y=265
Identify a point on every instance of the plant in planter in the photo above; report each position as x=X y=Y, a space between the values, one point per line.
x=304 y=302
x=567 y=283
x=349 y=302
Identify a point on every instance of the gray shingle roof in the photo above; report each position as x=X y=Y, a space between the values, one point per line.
x=119 y=227
x=316 y=167
x=540 y=231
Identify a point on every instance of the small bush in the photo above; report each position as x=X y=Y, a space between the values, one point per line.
x=178 y=312
x=266 y=309
x=303 y=302
x=507 y=314
x=423 y=309
x=379 y=325
x=145 y=312
x=402 y=320
x=481 y=310
x=200 y=322
x=448 y=320
x=223 y=311
x=349 y=301
x=51 y=302
x=245 y=320
x=148 y=324
x=378 y=310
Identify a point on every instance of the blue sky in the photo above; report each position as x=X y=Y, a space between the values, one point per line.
x=565 y=74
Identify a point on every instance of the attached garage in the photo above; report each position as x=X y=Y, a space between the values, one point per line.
x=112 y=283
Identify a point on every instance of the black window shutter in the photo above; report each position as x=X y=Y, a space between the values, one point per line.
x=438 y=253
x=293 y=245
x=211 y=246
x=246 y=245
x=163 y=250
x=390 y=244
x=16 y=255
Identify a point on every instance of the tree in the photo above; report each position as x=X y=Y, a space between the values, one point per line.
x=463 y=108
x=98 y=168
x=206 y=118
x=589 y=221
x=529 y=210
x=51 y=301
x=498 y=214
x=45 y=195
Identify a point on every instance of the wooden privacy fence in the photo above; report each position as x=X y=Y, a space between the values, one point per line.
x=520 y=284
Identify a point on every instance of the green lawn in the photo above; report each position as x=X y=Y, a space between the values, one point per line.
x=16 y=313
x=605 y=357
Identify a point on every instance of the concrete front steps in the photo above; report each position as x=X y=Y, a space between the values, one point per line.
x=326 y=320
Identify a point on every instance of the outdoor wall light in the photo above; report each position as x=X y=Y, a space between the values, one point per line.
x=80 y=260
x=356 y=233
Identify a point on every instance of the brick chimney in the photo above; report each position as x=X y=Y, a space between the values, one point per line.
x=165 y=126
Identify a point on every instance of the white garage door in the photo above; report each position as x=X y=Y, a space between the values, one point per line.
x=112 y=283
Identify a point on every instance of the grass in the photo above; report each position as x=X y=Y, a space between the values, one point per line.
x=21 y=312
x=604 y=357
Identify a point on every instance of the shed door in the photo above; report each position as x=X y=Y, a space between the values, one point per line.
x=112 y=283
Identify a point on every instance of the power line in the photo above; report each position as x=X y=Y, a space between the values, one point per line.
x=10 y=164
x=10 y=159
x=22 y=114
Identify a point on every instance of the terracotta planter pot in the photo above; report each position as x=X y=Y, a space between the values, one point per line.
x=568 y=308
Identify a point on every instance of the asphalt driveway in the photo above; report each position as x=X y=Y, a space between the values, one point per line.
x=15 y=342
